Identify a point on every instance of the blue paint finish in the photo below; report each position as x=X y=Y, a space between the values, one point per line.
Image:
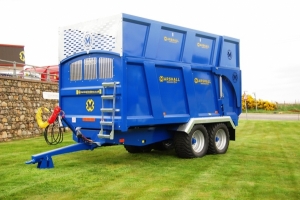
x=143 y=136
x=152 y=40
x=137 y=90
x=190 y=92
x=136 y=137
x=44 y=159
x=135 y=34
x=173 y=94
x=204 y=84
x=230 y=53
x=167 y=75
x=203 y=49
x=194 y=141
x=90 y=52
x=233 y=76
x=170 y=45
x=154 y=91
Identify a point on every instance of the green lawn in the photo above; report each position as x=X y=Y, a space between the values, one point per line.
x=263 y=163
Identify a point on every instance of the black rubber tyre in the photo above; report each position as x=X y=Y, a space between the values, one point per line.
x=218 y=139
x=164 y=145
x=192 y=145
x=137 y=149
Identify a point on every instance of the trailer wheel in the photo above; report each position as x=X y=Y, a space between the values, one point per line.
x=138 y=149
x=218 y=139
x=194 y=144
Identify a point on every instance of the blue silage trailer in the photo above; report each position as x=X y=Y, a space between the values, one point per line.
x=147 y=85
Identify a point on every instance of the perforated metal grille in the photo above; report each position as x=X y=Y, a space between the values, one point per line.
x=106 y=67
x=74 y=42
x=90 y=68
x=76 y=71
x=102 y=34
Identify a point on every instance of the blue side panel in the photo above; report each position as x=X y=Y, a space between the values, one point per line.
x=203 y=49
x=230 y=102
x=137 y=91
x=231 y=89
x=190 y=91
x=135 y=34
x=137 y=137
x=154 y=92
x=204 y=85
x=229 y=53
x=152 y=41
x=233 y=76
x=172 y=89
x=170 y=45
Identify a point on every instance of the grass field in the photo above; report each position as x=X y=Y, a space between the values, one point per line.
x=263 y=163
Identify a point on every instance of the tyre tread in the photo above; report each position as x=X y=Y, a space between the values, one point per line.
x=212 y=129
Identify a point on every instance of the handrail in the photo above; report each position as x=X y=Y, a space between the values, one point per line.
x=33 y=73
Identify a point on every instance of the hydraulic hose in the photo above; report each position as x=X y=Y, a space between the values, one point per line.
x=53 y=133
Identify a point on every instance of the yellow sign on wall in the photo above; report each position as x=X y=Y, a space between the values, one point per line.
x=22 y=56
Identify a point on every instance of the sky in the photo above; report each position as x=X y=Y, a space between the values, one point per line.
x=269 y=33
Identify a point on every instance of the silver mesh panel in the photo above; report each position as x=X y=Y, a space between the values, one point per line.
x=106 y=67
x=90 y=70
x=101 y=34
x=76 y=71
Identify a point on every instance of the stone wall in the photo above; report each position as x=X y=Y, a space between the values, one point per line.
x=19 y=101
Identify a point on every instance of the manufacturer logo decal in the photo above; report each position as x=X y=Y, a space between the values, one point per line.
x=89 y=105
x=229 y=54
x=79 y=92
x=169 y=79
x=171 y=40
x=203 y=46
x=235 y=77
x=87 y=40
x=202 y=81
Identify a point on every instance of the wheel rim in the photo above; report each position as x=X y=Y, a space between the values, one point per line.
x=220 y=139
x=198 y=141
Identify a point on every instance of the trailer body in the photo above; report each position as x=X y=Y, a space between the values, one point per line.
x=138 y=82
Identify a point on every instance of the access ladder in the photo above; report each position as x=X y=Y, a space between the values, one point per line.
x=105 y=98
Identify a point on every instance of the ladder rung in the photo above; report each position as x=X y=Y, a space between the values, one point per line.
x=109 y=84
x=109 y=110
x=107 y=96
x=110 y=136
x=103 y=136
x=106 y=123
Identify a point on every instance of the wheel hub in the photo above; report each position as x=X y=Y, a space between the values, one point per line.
x=220 y=139
x=198 y=141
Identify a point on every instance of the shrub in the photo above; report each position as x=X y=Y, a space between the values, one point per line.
x=261 y=104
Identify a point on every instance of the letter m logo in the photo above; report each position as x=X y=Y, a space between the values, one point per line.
x=87 y=40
